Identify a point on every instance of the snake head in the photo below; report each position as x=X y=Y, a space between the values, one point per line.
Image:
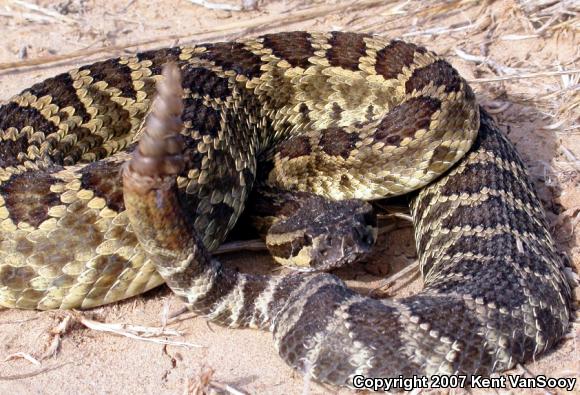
x=323 y=235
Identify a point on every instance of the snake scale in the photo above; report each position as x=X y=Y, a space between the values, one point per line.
x=100 y=202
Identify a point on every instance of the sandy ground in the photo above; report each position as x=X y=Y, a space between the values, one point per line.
x=494 y=44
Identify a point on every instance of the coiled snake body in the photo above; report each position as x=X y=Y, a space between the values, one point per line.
x=339 y=115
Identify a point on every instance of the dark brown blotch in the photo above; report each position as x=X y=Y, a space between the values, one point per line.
x=64 y=281
x=469 y=95
x=223 y=175
x=103 y=179
x=439 y=154
x=117 y=121
x=115 y=74
x=28 y=197
x=221 y=214
x=452 y=317
x=295 y=147
x=370 y=113
x=16 y=277
x=336 y=113
x=193 y=158
x=9 y=150
x=491 y=214
x=337 y=142
x=440 y=73
x=283 y=290
x=160 y=57
x=206 y=120
x=503 y=245
x=346 y=50
x=111 y=266
x=24 y=246
x=477 y=176
x=376 y=324
x=294 y=47
x=71 y=152
x=205 y=82
x=406 y=119
x=249 y=177
x=345 y=182
x=273 y=202
x=14 y=115
x=233 y=56
x=305 y=112
x=253 y=288
x=469 y=277
x=92 y=143
x=62 y=93
x=225 y=280
x=392 y=59
x=310 y=318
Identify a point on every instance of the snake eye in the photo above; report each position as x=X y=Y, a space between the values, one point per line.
x=368 y=239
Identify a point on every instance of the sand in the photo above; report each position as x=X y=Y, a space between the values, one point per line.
x=486 y=41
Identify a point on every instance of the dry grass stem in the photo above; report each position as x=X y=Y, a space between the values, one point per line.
x=216 y=6
x=406 y=217
x=412 y=270
x=32 y=374
x=439 y=30
x=22 y=355
x=540 y=74
x=181 y=315
x=496 y=66
x=143 y=333
x=243 y=245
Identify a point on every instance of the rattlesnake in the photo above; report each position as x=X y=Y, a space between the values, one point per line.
x=334 y=115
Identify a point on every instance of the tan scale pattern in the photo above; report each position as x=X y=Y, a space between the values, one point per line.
x=337 y=114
